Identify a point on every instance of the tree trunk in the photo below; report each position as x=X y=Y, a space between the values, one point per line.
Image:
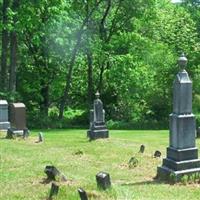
x=65 y=97
x=13 y=50
x=4 y=53
x=44 y=104
x=90 y=76
x=13 y=61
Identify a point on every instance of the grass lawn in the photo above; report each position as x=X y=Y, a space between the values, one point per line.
x=22 y=166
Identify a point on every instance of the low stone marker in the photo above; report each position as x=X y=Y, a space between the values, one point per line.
x=54 y=191
x=142 y=148
x=97 y=121
x=157 y=154
x=40 y=137
x=82 y=194
x=133 y=162
x=53 y=173
x=103 y=180
x=4 y=123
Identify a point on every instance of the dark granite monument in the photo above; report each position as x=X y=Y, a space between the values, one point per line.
x=182 y=154
x=4 y=123
x=103 y=180
x=17 y=117
x=97 y=121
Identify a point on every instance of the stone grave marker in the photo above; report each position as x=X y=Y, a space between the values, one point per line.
x=103 y=180
x=54 y=190
x=157 y=154
x=40 y=137
x=82 y=194
x=53 y=173
x=142 y=148
x=18 y=121
x=4 y=123
x=97 y=121
x=182 y=153
x=133 y=162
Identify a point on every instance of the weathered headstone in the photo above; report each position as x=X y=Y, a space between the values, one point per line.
x=182 y=154
x=54 y=190
x=51 y=172
x=97 y=121
x=133 y=162
x=40 y=137
x=157 y=154
x=103 y=180
x=4 y=123
x=82 y=194
x=17 y=117
x=142 y=148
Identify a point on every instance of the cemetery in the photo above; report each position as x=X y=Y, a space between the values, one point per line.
x=100 y=100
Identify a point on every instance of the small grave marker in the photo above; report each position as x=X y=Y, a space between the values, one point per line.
x=54 y=190
x=103 y=180
x=142 y=148
x=157 y=154
x=82 y=194
x=133 y=162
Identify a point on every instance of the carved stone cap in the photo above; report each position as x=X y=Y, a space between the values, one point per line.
x=97 y=94
x=182 y=61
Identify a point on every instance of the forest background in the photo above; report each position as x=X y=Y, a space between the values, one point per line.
x=55 y=54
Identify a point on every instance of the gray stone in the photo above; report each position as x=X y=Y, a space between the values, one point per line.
x=103 y=180
x=142 y=148
x=157 y=154
x=40 y=137
x=133 y=162
x=4 y=123
x=182 y=154
x=82 y=194
x=51 y=172
x=97 y=121
x=54 y=190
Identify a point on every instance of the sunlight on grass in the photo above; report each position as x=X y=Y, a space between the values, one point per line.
x=23 y=162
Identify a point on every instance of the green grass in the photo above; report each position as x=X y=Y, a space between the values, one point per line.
x=22 y=166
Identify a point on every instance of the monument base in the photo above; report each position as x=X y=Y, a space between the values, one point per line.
x=98 y=130
x=13 y=133
x=96 y=134
x=166 y=174
x=179 y=162
x=4 y=125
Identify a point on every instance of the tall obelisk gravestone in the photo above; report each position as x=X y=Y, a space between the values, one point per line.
x=182 y=154
x=97 y=121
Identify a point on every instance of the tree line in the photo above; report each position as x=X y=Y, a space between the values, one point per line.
x=56 y=54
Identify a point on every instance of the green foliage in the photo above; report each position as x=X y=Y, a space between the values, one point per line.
x=134 y=46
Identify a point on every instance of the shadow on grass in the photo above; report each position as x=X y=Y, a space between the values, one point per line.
x=151 y=182
x=45 y=181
